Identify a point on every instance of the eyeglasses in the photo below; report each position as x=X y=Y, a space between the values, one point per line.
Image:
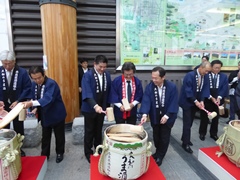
x=130 y=74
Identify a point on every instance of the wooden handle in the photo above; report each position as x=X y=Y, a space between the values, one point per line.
x=141 y=123
x=206 y=110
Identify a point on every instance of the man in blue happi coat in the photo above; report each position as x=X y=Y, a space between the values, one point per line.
x=218 y=85
x=233 y=82
x=126 y=86
x=47 y=99
x=194 y=90
x=96 y=84
x=160 y=102
x=15 y=86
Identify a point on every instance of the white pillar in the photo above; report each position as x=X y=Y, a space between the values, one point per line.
x=6 y=27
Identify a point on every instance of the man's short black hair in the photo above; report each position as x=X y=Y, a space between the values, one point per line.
x=128 y=66
x=100 y=59
x=161 y=71
x=216 y=62
x=35 y=70
x=83 y=60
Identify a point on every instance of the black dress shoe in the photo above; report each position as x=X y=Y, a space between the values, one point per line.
x=154 y=155
x=190 y=143
x=214 y=137
x=59 y=158
x=187 y=148
x=158 y=161
x=22 y=153
x=88 y=158
x=202 y=137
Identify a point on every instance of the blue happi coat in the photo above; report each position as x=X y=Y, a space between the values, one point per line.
x=23 y=85
x=89 y=91
x=52 y=108
x=221 y=88
x=189 y=92
x=148 y=105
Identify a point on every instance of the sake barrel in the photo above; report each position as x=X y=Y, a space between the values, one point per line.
x=10 y=159
x=121 y=159
x=10 y=143
x=229 y=142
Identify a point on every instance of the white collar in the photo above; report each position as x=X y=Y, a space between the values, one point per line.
x=160 y=87
x=198 y=73
x=9 y=71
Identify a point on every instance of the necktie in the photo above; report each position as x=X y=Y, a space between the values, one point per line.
x=9 y=77
x=129 y=91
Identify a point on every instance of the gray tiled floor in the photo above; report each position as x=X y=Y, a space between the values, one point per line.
x=177 y=164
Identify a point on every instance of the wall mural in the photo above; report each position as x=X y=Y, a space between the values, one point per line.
x=179 y=32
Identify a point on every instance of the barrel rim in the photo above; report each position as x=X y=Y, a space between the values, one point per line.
x=141 y=141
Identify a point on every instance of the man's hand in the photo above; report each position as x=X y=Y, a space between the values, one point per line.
x=122 y=108
x=98 y=109
x=27 y=104
x=198 y=104
x=34 y=111
x=218 y=101
x=131 y=106
x=80 y=89
x=214 y=100
x=144 y=119
x=163 y=120
x=202 y=105
x=13 y=105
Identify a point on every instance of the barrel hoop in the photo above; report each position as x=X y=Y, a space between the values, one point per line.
x=65 y=2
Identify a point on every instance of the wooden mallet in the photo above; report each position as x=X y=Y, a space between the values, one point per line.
x=211 y=115
x=137 y=128
x=109 y=114
x=220 y=109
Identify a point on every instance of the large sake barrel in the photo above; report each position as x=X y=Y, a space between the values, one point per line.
x=10 y=156
x=121 y=159
x=10 y=144
x=229 y=142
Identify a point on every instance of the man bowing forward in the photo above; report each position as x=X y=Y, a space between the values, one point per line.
x=160 y=102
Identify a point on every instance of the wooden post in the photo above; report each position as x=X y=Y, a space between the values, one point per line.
x=59 y=32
